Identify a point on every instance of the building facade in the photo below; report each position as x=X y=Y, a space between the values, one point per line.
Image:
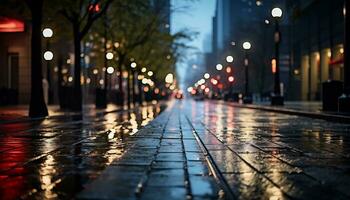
x=15 y=38
x=317 y=45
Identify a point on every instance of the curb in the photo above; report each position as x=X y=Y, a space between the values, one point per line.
x=325 y=116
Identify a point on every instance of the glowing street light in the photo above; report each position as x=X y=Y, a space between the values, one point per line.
x=246 y=45
x=110 y=70
x=247 y=97
x=276 y=12
x=48 y=55
x=150 y=73
x=231 y=79
x=277 y=98
x=229 y=59
x=169 y=78
x=109 y=56
x=206 y=75
x=219 y=67
x=133 y=65
x=47 y=32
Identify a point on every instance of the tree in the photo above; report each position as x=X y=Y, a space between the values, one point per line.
x=81 y=15
x=37 y=106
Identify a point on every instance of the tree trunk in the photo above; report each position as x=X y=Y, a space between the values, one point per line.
x=128 y=88
x=77 y=104
x=140 y=99
x=37 y=106
x=121 y=91
x=133 y=88
x=60 y=80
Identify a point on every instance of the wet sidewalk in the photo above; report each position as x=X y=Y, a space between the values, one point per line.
x=53 y=158
x=203 y=150
x=306 y=109
x=192 y=150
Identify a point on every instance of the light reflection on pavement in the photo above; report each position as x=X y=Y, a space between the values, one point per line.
x=53 y=158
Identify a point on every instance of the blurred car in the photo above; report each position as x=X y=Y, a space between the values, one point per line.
x=179 y=95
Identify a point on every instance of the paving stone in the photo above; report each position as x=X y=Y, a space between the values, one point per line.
x=169 y=193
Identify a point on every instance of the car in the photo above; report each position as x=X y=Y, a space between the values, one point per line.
x=179 y=95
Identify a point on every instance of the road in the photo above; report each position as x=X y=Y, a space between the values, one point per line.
x=192 y=150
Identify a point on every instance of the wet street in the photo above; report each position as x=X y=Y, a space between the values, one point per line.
x=191 y=150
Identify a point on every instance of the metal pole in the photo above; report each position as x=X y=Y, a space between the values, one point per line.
x=277 y=89
x=48 y=75
x=246 y=64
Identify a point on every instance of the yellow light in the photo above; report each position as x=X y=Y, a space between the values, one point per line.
x=329 y=54
x=95 y=71
x=273 y=65
x=140 y=77
x=143 y=70
x=125 y=74
x=341 y=50
x=150 y=73
x=70 y=79
x=169 y=78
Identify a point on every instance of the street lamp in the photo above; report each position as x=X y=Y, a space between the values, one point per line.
x=47 y=33
x=219 y=67
x=110 y=70
x=109 y=56
x=206 y=75
x=277 y=98
x=48 y=56
x=229 y=59
x=133 y=65
x=247 y=97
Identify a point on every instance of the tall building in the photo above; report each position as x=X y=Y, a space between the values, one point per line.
x=244 y=20
x=317 y=31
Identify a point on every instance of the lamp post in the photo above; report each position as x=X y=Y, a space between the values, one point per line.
x=48 y=56
x=133 y=66
x=277 y=98
x=247 y=97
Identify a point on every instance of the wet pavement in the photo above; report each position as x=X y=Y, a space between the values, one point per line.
x=192 y=150
x=54 y=158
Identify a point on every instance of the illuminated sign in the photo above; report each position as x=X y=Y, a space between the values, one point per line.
x=8 y=25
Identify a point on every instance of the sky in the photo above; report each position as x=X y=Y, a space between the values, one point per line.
x=195 y=15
